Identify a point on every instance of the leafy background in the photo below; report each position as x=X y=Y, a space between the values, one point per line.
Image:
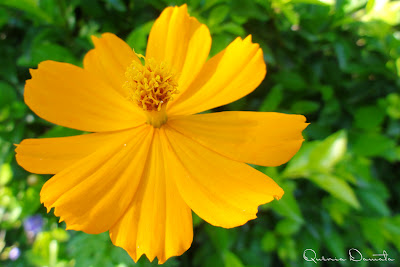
x=337 y=62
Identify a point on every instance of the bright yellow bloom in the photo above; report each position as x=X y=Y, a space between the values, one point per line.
x=149 y=161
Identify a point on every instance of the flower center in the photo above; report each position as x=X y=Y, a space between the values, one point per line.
x=151 y=87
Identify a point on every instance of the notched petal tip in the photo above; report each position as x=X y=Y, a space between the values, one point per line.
x=249 y=38
x=160 y=260
x=31 y=71
x=94 y=38
x=47 y=64
x=277 y=197
x=105 y=35
x=48 y=209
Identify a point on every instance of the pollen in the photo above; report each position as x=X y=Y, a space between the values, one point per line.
x=151 y=85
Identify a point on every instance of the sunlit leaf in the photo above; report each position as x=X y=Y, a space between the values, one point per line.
x=337 y=187
x=231 y=260
x=329 y=152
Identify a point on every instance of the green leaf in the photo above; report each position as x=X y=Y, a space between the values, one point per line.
x=327 y=92
x=388 y=12
x=398 y=66
x=47 y=51
x=370 y=6
x=237 y=105
x=305 y=107
x=39 y=255
x=372 y=230
x=314 y=2
x=338 y=210
x=220 y=41
x=7 y=94
x=288 y=227
x=298 y=166
x=391 y=230
x=336 y=187
x=373 y=203
x=137 y=39
x=269 y=54
x=213 y=260
x=5 y=173
x=31 y=7
x=196 y=219
x=335 y=244
x=89 y=250
x=342 y=54
x=317 y=156
x=290 y=14
x=60 y=131
x=374 y=144
x=117 y=5
x=273 y=99
x=393 y=104
x=30 y=201
x=18 y=109
x=287 y=206
x=369 y=117
x=247 y=9
x=329 y=152
x=4 y=115
x=8 y=70
x=220 y=237
x=287 y=249
x=230 y=27
x=290 y=80
x=217 y=15
x=4 y=17
x=59 y=234
x=231 y=260
x=268 y=242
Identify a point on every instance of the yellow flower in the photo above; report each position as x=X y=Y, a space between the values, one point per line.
x=149 y=161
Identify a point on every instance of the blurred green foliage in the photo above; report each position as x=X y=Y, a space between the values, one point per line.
x=337 y=62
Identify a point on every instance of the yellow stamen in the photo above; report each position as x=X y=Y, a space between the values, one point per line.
x=151 y=87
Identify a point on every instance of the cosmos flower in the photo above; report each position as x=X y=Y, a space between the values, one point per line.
x=149 y=161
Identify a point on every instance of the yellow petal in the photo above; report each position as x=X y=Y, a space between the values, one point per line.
x=181 y=41
x=268 y=139
x=157 y=223
x=109 y=60
x=222 y=191
x=92 y=194
x=52 y=155
x=72 y=97
x=228 y=76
